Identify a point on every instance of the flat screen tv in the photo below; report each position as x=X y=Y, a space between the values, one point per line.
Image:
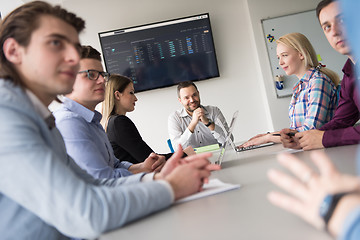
x=162 y=54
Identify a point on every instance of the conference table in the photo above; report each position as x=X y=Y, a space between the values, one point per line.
x=243 y=213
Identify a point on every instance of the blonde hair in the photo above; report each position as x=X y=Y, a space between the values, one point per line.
x=116 y=83
x=301 y=44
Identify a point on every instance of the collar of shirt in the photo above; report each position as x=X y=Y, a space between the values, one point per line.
x=40 y=108
x=88 y=115
x=184 y=113
x=348 y=68
x=304 y=80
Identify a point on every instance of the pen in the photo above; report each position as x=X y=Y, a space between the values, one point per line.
x=290 y=134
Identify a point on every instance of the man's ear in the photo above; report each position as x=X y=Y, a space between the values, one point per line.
x=117 y=95
x=12 y=51
x=179 y=99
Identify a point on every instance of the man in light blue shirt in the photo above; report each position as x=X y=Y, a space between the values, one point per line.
x=86 y=143
x=79 y=123
x=43 y=193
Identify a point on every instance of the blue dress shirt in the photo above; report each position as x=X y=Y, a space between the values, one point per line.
x=86 y=141
x=350 y=8
x=45 y=195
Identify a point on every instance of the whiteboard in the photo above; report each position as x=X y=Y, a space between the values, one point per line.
x=307 y=24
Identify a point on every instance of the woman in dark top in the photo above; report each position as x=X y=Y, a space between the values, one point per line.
x=124 y=137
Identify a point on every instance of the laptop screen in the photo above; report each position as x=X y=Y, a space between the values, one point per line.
x=227 y=138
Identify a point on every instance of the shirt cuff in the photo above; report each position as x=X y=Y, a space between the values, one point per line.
x=148 y=177
x=218 y=131
x=168 y=186
x=215 y=134
x=126 y=164
x=351 y=225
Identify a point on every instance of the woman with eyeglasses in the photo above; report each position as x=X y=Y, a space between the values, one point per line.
x=124 y=137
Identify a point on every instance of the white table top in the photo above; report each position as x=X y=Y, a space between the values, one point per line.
x=243 y=213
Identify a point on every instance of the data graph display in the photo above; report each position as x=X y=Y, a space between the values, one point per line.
x=162 y=54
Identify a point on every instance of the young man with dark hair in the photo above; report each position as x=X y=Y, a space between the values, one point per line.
x=195 y=125
x=43 y=193
x=321 y=5
x=340 y=130
x=90 y=52
x=79 y=124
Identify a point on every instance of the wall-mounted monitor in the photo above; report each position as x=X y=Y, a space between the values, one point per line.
x=162 y=54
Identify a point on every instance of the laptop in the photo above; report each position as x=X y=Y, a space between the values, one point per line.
x=227 y=138
x=241 y=149
x=237 y=148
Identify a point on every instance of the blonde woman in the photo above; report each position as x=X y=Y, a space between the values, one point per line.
x=124 y=137
x=315 y=95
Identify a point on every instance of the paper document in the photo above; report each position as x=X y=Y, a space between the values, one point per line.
x=214 y=186
x=207 y=148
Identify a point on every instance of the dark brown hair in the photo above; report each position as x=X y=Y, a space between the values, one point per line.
x=185 y=85
x=321 y=5
x=90 y=52
x=20 y=24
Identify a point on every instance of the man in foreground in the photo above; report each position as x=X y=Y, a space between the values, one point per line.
x=43 y=193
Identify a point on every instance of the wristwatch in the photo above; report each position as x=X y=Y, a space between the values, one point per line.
x=328 y=206
x=208 y=124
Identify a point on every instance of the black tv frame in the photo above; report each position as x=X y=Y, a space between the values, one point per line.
x=154 y=27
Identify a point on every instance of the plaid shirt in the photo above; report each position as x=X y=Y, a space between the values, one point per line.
x=313 y=102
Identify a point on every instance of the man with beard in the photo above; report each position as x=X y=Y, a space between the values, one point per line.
x=195 y=125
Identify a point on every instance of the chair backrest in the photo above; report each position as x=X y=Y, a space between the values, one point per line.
x=170 y=145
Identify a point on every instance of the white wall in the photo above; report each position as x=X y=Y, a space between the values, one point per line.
x=262 y=9
x=245 y=82
x=7 y=6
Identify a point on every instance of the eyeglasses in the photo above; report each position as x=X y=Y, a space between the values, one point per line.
x=94 y=74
